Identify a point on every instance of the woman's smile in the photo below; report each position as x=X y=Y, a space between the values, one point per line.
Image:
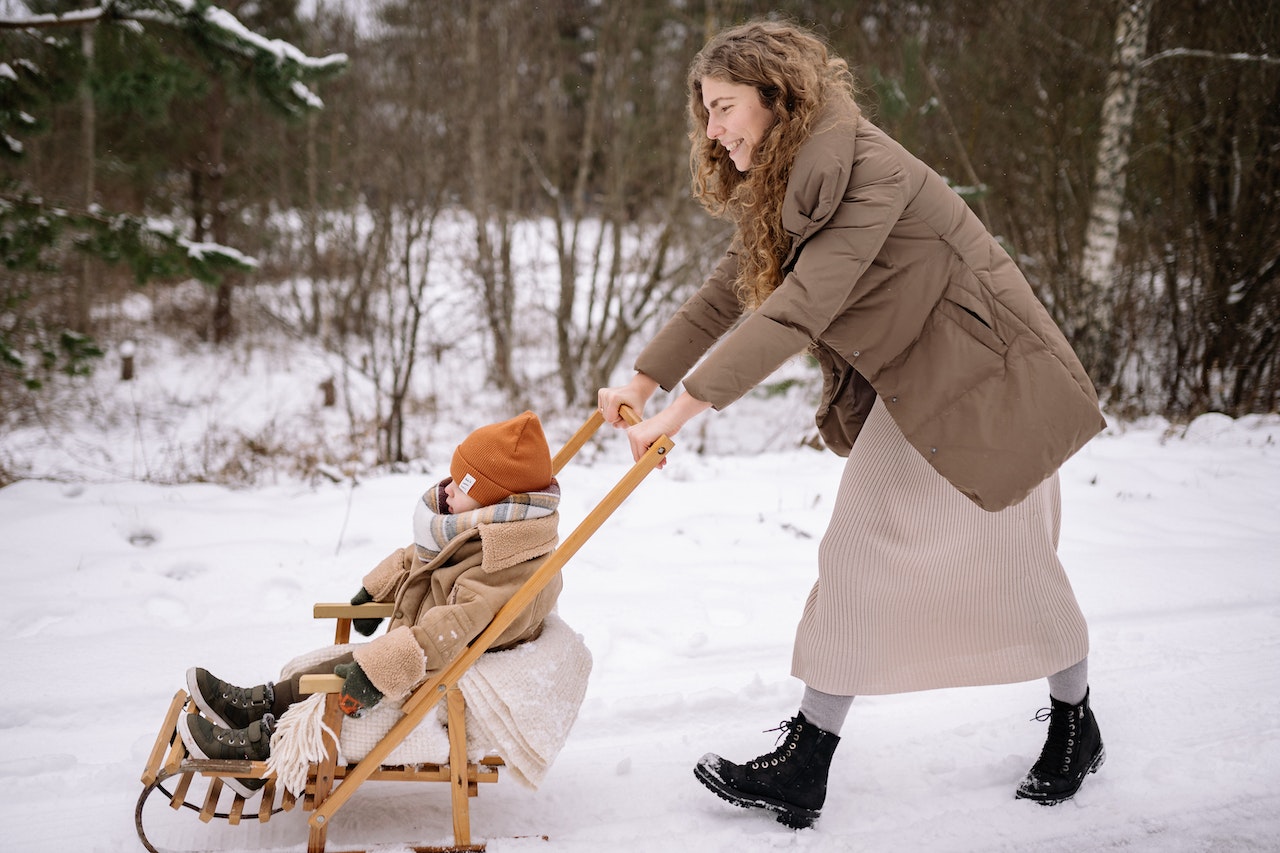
x=736 y=118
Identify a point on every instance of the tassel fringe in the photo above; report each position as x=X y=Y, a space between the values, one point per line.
x=298 y=742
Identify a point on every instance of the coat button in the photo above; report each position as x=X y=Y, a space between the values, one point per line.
x=856 y=353
x=399 y=614
x=893 y=399
x=933 y=450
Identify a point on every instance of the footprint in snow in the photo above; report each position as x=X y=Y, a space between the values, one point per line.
x=167 y=610
x=143 y=538
x=281 y=593
x=185 y=571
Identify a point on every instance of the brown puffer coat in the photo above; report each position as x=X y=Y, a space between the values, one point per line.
x=443 y=604
x=898 y=290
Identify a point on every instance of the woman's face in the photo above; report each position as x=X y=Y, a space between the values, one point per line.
x=736 y=118
x=456 y=502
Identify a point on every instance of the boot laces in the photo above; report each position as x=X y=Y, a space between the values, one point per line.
x=242 y=697
x=1060 y=743
x=788 y=738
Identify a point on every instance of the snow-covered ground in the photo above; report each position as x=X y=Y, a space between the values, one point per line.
x=687 y=598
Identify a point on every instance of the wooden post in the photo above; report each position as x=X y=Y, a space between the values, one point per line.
x=455 y=708
x=126 y=361
x=325 y=772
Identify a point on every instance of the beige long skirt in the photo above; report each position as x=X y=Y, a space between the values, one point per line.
x=919 y=588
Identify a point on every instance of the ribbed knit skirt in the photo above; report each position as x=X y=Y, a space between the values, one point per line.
x=919 y=588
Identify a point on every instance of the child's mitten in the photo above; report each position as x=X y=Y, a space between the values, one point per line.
x=358 y=691
x=364 y=626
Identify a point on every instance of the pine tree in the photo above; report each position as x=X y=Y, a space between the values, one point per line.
x=43 y=64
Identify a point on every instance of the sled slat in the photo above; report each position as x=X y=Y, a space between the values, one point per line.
x=177 y=753
x=268 y=799
x=163 y=739
x=237 y=810
x=180 y=791
x=211 y=799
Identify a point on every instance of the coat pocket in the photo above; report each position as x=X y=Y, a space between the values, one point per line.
x=969 y=314
x=956 y=352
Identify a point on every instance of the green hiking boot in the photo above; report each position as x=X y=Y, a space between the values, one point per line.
x=252 y=743
x=227 y=705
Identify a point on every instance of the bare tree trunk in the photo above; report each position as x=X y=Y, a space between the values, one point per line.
x=571 y=213
x=313 y=228
x=1102 y=233
x=488 y=204
x=217 y=167
x=88 y=132
x=207 y=190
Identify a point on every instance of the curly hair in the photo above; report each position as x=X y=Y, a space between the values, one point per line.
x=796 y=78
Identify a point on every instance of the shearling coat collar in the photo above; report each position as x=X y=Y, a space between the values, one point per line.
x=442 y=604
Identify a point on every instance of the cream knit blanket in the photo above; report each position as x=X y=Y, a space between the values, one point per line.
x=521 y=705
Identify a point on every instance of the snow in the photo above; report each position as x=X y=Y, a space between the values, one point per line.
x=116 y=582
x=201 y=250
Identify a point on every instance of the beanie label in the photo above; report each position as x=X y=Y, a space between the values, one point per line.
x=466 y=484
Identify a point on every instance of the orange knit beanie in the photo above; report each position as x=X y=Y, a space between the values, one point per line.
x=503 y=459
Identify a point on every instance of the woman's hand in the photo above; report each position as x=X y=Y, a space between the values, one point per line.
x=668 y=422
x=634 y=395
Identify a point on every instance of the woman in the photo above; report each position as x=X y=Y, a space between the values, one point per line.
x=946 y=383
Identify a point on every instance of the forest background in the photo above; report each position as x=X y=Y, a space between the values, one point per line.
x=505 y=184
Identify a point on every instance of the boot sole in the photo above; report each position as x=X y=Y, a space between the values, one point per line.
x=788 y=815
x=1054 y=799
x=237 y=785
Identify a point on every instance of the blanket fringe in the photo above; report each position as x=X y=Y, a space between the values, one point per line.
x=298 y=742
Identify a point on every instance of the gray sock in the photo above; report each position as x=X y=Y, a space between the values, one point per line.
x=1071 y=684
x=825 y=710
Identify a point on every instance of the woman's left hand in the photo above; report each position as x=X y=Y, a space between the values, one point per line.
x=668 y=422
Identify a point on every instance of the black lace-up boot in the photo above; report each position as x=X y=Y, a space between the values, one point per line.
x=791 y=780
x=1072 y=750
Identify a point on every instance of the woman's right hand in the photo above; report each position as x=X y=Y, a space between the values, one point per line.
x=633 y=395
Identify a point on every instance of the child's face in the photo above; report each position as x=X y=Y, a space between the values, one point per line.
x=456 y=501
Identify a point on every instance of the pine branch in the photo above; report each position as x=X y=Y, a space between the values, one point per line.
x=278 y=68
x=31 y=231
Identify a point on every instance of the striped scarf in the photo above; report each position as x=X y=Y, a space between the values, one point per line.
x=433 y=527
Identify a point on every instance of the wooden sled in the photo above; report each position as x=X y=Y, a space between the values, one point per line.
x=330 y=784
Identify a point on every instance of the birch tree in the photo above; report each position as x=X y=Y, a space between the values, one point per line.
x=1102 y=231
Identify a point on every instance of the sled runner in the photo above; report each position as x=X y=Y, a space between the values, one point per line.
x=197 y=784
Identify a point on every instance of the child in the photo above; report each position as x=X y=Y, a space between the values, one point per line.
x=478 y=536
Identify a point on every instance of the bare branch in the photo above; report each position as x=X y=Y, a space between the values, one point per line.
x=1190 y=53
